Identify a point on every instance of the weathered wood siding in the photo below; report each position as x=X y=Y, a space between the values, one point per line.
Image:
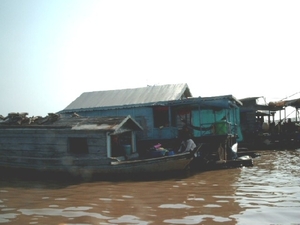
x=47 y=143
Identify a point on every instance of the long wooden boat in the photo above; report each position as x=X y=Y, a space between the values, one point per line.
x=88 y=167
x=176 y=162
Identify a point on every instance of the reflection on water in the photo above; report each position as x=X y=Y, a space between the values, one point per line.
x=267 y=193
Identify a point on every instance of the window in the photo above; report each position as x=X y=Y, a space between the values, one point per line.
x=161 y=116
x=78 y=145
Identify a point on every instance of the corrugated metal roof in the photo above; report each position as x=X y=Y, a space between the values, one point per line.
x=122 y=97
x=99 y=123
x=222 y=101
x=117 y=124
x=102 y=123
x=284 y=103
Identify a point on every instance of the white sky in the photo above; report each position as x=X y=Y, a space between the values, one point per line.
x=52 y=51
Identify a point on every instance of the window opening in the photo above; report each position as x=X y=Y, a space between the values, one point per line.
x=78 y=145
x=161 y=116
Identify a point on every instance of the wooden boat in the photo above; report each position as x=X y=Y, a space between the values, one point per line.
x=201 y=164
x=244 y=161
x=208 y=159
x=169 y=163
x=80 y=147
x=86 y=167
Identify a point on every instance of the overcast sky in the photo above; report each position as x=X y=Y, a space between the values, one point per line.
x=51 y=51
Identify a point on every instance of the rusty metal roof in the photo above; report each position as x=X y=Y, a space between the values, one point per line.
x=284 y=103
x=115 y=124
x=135 y=96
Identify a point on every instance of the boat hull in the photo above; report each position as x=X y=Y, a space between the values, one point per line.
x=96 y=167
x=201 y=164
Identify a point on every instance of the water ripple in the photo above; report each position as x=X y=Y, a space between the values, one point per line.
x=267 y=193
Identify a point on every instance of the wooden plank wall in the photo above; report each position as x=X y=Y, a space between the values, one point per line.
x=48 y=143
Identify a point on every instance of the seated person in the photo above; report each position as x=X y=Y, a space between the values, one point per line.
x=187 y=144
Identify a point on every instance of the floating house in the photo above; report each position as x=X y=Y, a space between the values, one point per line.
x=63 y=144
x=267 y=126
x=146 y=105
x=163 y=110
x=256 y=116
x=83 y=147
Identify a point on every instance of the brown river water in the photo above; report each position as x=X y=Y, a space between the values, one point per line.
x=267 y=193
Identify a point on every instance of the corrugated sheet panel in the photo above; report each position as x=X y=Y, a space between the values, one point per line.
x=120 y=123
x=122 y=97
x=86 y=121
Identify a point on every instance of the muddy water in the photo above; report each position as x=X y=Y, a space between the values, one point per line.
x=267 y=193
